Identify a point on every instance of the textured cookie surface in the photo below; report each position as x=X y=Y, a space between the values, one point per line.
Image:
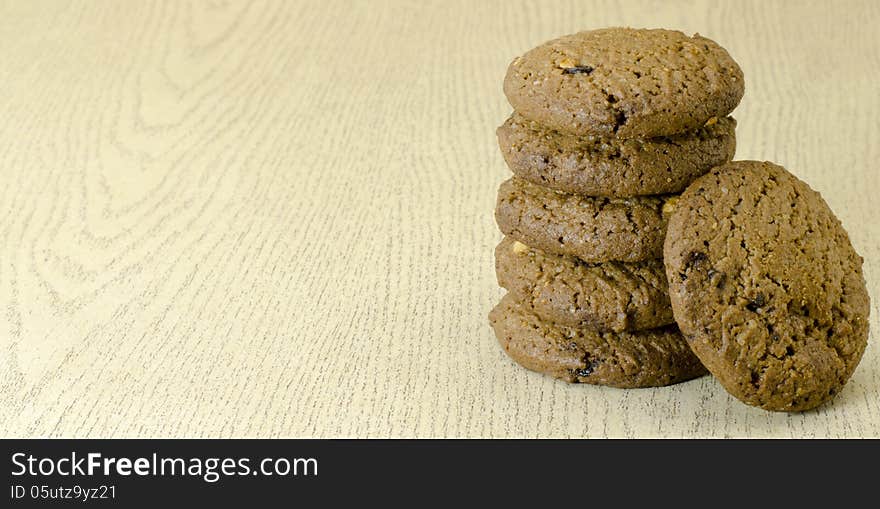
x=610 y=296
x=766 y=286
x=613 y=167
x=624 y=82
x=594 y=229
x=651 y=358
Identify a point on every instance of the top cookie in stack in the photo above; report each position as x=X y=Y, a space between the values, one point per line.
x=625 y=83
x=607 y=126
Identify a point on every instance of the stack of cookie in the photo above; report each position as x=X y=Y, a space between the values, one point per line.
x=608 y=126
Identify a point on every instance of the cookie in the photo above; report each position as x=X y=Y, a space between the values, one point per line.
x=594 y=229
x=651 y=358
x=611 y=296
x=766 y=286
x=613 y=167
x=625 y=83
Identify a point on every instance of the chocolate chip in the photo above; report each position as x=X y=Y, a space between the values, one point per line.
x=588 y=369
x=716 y=278
x=578 y=69
x=584 y=372
x=619 y=119
x=694 y=259
x=756 y=303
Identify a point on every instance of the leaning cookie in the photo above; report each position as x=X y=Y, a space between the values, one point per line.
x=766 y=286
x=611 y=296
x=614 y=167
x=624 y=82
x=650 y=358
x=592 y=228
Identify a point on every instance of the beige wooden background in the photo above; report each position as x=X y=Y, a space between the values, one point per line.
x=259 y=219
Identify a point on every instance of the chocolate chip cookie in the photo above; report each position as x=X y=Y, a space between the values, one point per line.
x=594 y=229
x=611 y=296
x=625 y=82
x=613 y=167
x=766 y=286
x=650 y=358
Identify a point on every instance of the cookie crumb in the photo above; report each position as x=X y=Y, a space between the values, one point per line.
x=519 y=247
x=669 y=206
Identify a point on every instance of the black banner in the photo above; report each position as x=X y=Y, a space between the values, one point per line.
x=126 y=473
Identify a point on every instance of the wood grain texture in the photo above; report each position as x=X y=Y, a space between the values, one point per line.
x=272 y=219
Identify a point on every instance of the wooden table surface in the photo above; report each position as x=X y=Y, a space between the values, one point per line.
x=274 y=219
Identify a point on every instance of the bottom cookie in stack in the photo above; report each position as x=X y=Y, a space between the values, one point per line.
x=648 y=358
